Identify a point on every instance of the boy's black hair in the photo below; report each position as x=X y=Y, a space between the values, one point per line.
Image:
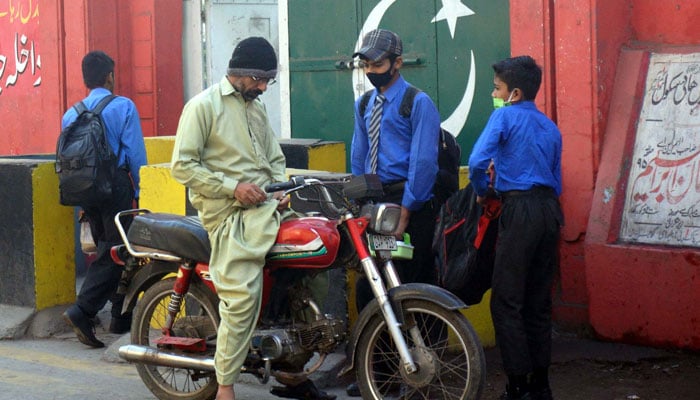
x=97 y=66
x=520 y=72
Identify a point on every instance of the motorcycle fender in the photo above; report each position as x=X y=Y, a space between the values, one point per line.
x=145 y=278
x=420 y=291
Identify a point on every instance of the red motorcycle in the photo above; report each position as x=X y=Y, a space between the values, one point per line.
x=411 y=340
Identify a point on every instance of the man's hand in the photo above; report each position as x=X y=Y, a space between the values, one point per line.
x=249 y=194
x=490 y=193
x=283 y=200
x=403 y=223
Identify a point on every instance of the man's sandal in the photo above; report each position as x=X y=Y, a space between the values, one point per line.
x=306 y=390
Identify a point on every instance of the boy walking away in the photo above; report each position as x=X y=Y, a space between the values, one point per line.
x=123 y=133
x=525 y=147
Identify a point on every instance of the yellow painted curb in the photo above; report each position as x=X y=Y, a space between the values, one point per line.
x=54 y=241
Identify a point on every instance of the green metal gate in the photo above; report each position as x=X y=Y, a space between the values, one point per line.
x=449 y=46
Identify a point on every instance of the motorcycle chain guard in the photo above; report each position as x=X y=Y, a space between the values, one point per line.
x=193 y=345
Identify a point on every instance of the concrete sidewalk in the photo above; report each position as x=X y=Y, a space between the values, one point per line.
x=14 y=321
x=582 y=368
x=22 y=322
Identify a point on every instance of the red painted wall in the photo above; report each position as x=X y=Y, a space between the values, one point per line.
x=22 y=73
x=671 y=22
x=52 y=36
x=596 y=54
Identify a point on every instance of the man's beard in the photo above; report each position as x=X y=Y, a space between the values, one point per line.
x=252 y=94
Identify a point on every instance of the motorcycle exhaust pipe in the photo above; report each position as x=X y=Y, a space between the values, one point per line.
x=149 y=355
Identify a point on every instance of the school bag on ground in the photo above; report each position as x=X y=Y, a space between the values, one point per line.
x=85 y=162
x=464 y=245
x=447 y=180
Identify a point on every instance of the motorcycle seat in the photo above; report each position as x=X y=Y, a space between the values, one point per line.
x=181 y=235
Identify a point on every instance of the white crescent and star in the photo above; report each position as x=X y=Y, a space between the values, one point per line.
x=451 y=10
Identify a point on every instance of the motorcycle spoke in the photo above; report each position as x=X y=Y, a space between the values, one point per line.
x=197 y=318
x=445 y=350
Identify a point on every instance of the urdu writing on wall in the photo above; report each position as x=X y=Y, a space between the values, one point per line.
x=662 y=203
x=19 y=55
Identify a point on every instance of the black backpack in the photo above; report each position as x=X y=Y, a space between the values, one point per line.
x=85 y=162
x=447 y=180
x=464 y=245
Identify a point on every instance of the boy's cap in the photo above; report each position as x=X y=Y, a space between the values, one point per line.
x=380 y=44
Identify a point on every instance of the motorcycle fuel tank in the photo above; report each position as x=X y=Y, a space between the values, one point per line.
x=308 y=242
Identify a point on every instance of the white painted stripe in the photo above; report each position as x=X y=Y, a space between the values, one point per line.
x=284 y=78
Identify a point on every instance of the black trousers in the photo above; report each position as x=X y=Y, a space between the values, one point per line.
x=102 y=278
x=421 y=268
x=526 y=260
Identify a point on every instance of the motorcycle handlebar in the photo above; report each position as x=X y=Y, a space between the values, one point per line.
x=299 y=182
x=294 y=182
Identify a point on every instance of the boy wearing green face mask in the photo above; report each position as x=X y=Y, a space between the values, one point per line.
x=525 y=148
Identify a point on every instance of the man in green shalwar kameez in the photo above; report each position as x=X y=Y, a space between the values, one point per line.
x=225 y=153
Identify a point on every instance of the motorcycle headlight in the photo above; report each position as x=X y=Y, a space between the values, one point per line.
x=383 y=217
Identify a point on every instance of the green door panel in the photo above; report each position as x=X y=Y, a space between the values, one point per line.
x=320 y=33
x=438 y=59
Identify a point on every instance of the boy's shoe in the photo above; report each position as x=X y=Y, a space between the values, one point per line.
x=542 y=394
x=120 y=325
x=353 y=390
x=82 y=326
x=307 y=390
x=514 y=394
x=524 y=396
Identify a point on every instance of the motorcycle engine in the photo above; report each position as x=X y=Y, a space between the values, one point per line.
x=296 y=344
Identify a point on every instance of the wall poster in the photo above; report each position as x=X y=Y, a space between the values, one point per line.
x=663 y=189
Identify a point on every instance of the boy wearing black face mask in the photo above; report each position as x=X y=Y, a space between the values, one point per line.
x=405 y=157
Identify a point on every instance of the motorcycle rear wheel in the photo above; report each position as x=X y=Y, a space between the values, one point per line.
x=451 y=365
x=198 y=317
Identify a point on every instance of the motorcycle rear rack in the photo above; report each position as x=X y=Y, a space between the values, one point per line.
x=144 y=252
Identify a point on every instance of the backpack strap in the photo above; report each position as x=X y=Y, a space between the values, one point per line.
x=80 y=107
x=98 y=110
x=364 y=101
x=443 y=139
x=407 y=101
x=103 y=103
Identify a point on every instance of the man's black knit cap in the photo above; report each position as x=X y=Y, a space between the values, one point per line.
x=253 y=56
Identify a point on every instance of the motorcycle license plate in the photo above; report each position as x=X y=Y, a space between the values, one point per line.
x=379 y=242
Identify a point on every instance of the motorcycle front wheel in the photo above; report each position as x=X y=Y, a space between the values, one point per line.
x=198 y=318
x=449 y=356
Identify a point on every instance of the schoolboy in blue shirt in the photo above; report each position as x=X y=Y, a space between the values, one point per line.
x=525 y=148
x=123 y=132
x=406 y=158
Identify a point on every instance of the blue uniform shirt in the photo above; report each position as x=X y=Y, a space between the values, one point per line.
x=123 y=127
x=525 y=146
x=407 y=147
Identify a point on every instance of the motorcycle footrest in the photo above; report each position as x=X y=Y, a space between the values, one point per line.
x=182 y=343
